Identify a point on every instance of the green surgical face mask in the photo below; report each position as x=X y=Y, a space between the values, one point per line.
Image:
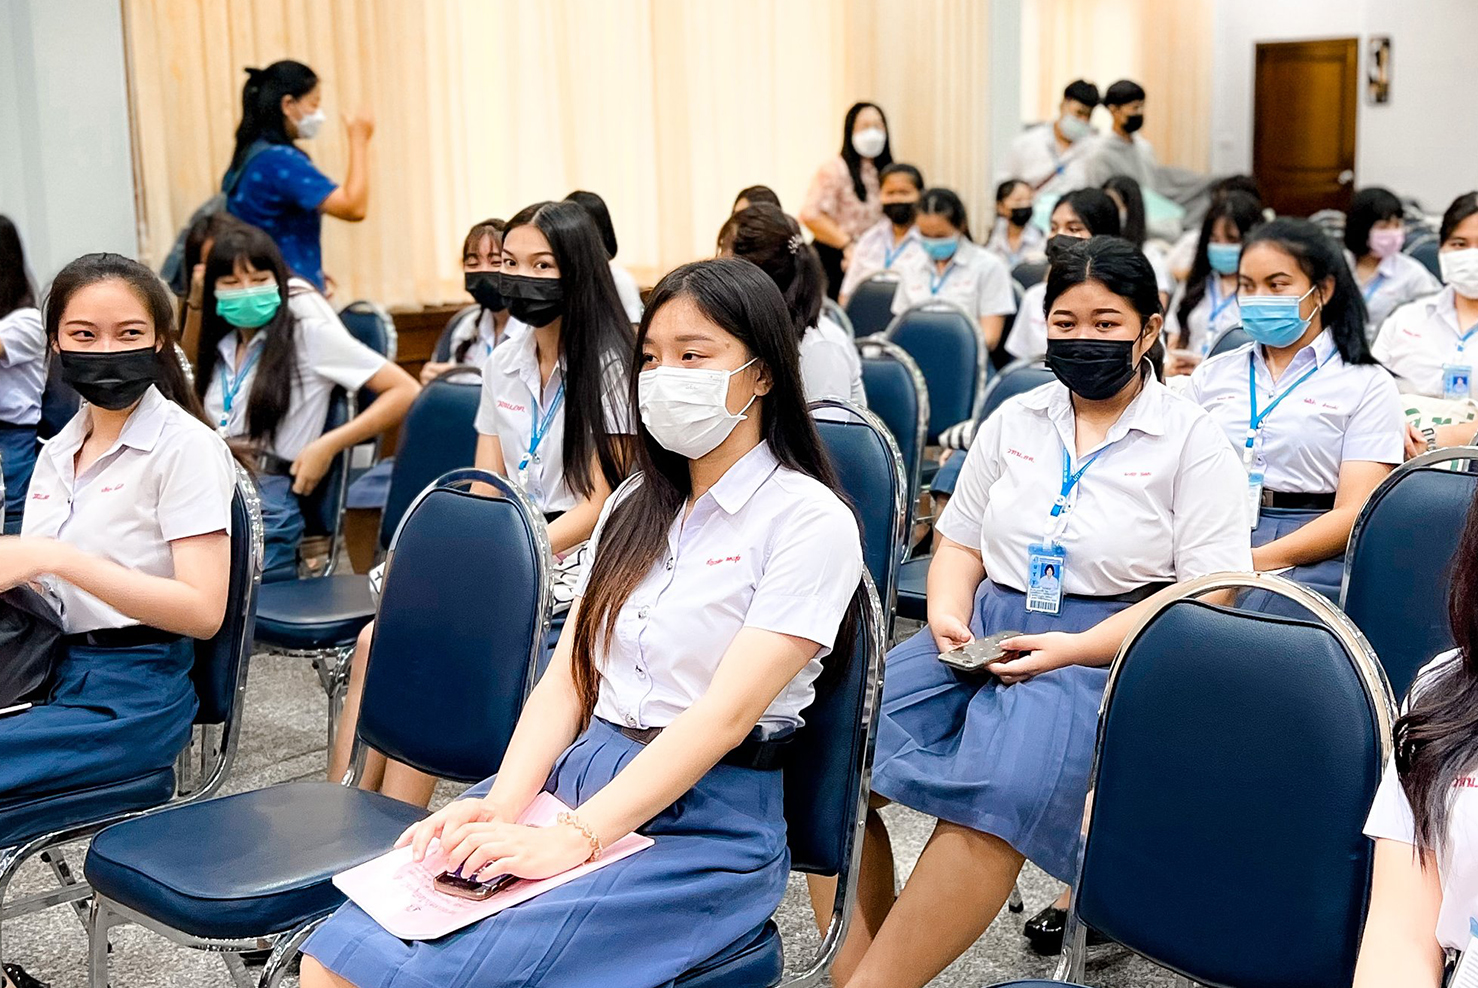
x=249 y=308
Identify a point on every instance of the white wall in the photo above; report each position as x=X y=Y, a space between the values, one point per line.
x=1423 y=143
x=66 y=174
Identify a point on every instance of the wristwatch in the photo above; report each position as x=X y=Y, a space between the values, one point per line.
x=1431 y=435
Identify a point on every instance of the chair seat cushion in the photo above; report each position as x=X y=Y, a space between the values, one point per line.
x=309 y=614
x=30 y=816
x=758 y=964
x=913 y=577
x=247 y=865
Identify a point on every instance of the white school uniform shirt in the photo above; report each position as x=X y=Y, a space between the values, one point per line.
x=1213 y=315
x=512 y=398
x=1343 y=412
x=1028 y=338
x=766 y=547
x=830 y=364
x=1398 y=279
x=628 y=291
x=167 y=477
x=1164 y=502
x=1035 y=158
x=1031 y=247
x=1457 y=864
x=876 y=251
x=326 y=356
x=1419 y=338
x=975 y=280
x=22 y=366
x=478 y=327
x=1159 y=261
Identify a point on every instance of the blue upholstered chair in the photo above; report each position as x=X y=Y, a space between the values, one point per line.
x=1227 y=340
x=949 y=347
x=838 y=315
x=897 y=394
x=871 y=306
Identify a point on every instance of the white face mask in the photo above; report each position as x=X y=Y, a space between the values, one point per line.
x=1074 y=128
x=869 y=143
x=687 y=409
x=1460 y=270
x=310 y=125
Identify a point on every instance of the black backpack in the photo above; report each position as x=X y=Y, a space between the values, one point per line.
x=30 y=646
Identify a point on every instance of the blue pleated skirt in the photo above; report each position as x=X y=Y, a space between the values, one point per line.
x=1012 y=761
x=712 y=880
x=1323 y=577
x=114 y=714
x=282 y=528
x=371 y=489
x=17 y=460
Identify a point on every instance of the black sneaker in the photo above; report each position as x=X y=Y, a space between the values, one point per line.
x=1046 y=929
x=18 y=978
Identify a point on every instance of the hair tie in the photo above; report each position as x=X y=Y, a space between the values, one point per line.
x=796 y=243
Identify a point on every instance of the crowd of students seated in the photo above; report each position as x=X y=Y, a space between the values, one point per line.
x=657 y=437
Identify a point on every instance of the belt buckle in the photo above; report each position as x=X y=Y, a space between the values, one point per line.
x=1267 y=498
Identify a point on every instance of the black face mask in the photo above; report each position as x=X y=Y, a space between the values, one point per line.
x=114 y=379
x=900 y=213
x=1092 y=369
x=483 y=287
x=1021 y=216
x=533 y=301
x=1133 y=122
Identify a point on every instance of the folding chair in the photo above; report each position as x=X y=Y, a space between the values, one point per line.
x=838 y=315
x=897 y=395
x=949 y=348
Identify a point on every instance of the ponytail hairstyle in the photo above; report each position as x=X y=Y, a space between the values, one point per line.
x=492 y=228
x=16 y=290
x=594 y=333
x=765 y=236
x=944 y=202
x=1130 y=194
x=244 y=245
x=261 y=105
x=1243 y=213
x=737 y=296
x=89 y=269
x=1319 y=257
x=853 y=159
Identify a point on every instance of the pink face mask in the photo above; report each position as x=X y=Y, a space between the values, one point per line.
x=1385 y=242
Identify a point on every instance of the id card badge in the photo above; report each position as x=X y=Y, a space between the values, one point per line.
x=1465 y=975
x=1457 y=381
x=1046 y=569
x=1254 y=496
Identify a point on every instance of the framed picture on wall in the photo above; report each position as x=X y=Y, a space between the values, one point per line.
x=1378 y=71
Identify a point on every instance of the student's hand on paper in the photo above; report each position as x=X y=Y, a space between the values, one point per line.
x=514 y=849
x=448 y=823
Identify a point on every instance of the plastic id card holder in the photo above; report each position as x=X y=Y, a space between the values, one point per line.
x=1254 y=496
x=1465 y=975
x=1047 y=567
x=1457 y=381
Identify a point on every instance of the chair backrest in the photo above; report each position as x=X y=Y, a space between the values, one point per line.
x=897 y=394
x=371 y=325
x=870 y=469
x=219 y=673
x=436 y=437
x=442 y=352
x=838 y=315
x=1237 y=757
x=1229 y=339
x=1426 y=252
x=949 y=348
x=462 y=618
x=1016 y=378
x=323 y=510
x=1029 y=273
x=871 y=306
x=1398 y=568
x=59 y=402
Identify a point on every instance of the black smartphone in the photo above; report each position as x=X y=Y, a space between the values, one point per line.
x=470 y=888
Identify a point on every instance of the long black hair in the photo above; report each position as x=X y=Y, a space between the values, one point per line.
x=766 y=237
x=1462 y=207
x=271 y=389
x=1319 y=257
x=1244 y=213
x=16 y=290
x=600 y=215
x=594 y=332
x=944 y=202
x=1120 y=267
x=206 y=228
x=261 y=104
x=1130 y=194
x=1367 y=208
x=853 y=159
x=744 y=302
x=1437 y=738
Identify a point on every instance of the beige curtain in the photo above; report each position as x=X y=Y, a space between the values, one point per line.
x=1164 y=45
x=665 y=107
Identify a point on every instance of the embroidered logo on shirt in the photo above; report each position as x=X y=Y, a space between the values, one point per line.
x=40 y=497
x=510 y=406
x=1020 y=455
x=1465 y=782
x=724 y=559
x=109 y=490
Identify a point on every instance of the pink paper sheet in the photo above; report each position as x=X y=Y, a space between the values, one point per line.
x=398 y=893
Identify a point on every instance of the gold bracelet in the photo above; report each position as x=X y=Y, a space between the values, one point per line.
x=596 y=848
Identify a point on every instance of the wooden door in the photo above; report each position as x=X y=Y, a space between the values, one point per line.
x=1303 y=125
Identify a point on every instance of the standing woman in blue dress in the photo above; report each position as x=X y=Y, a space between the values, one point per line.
x=273 y=184
x=1120 y=486
x=718 y=587
x=22 y=374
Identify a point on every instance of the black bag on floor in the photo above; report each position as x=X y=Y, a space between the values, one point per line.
x=30 y=646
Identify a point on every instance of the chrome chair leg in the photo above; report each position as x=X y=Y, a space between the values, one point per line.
x=237 y=967
x=57 y=862
x=1074 y=949
x=283 y=952
x=1015 y=903
x=100 y=921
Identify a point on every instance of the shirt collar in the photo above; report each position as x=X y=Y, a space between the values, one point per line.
x=747 y=475
x=141 y=431
x=526 y=364
x=1388 y=266
x=1443 y=305
x=227 y=347
x=1146 y=413
x=1319 y=350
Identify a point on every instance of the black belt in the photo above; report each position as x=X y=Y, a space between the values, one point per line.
x=130 y=637
x=1128 y=597
x=11 y=427
x=1307 y=502
x=273 y=466
x=752 y=752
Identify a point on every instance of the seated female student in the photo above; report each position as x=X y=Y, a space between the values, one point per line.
x=1375 y=229
x=478 y=332
x=1425 y=878
x=553 y=417
x=626 y=286
x=22 y=375
x=266 y=370
x=1129 y=198
x=891 y=239
x=671 y=673
x=199 y=239
x=134 y=577
x=1206 y=304
x=955 y=268
x=753 y=196
x=763 y=235
x=1324 y=418
x=1429 y=344
x=1152 y=497
x=1015 y=238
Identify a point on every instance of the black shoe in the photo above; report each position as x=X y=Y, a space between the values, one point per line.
x=20 y=979
x=1046 y=929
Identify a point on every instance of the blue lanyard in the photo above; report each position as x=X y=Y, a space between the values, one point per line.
x=1255 y=420
x=231 y=386
x=1217 y=308
x=937 y=283
x=1374 y=286
x=539 y=427
x=1070 y=479
x=890 y=254
x=1462 y=341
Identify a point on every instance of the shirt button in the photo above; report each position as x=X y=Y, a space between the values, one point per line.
x=642 y=613
x=630 y=720
x=671 y=563
x=641 y=673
